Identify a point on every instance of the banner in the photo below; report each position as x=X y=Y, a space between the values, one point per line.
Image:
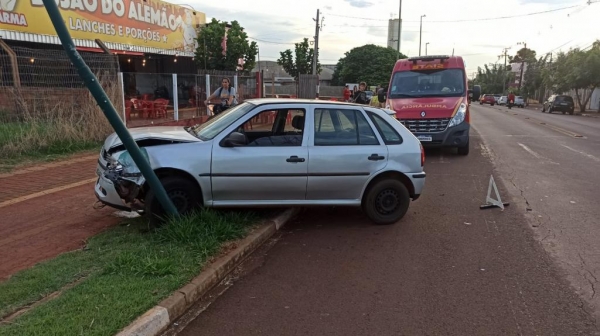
x=150 y=23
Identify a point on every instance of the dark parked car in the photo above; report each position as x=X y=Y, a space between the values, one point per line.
x=487 y=99
x=559 y=103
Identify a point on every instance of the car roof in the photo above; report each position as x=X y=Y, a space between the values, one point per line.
x=268 y=101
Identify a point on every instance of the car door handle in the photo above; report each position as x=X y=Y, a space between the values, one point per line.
x=295 y=159
x=376 y=157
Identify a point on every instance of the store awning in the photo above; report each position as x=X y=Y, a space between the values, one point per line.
x=117 y=52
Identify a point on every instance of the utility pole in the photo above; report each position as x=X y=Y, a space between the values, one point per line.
x=505 y=55
x=316 y=51
x=399 y=27
x=421 y=33
x=522 y=66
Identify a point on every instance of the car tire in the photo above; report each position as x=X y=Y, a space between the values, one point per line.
x=492 y=104
x=464 y=151
x=480 y=103
x=571 y=112
x=185 y=195
x=386 y=202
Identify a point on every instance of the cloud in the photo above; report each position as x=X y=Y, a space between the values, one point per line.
x=360 y=3
x=328 y=8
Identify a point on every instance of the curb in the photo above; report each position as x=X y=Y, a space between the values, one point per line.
x=158 y=319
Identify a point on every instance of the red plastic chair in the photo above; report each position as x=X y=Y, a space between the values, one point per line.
x=160 y=107
x=128 y=109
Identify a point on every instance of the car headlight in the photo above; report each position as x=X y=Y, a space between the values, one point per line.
x=460 y=115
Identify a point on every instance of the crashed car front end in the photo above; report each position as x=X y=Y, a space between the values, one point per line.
x=120 y=183
x=119 y=180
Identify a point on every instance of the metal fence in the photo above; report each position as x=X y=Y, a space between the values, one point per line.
x=36 y=82
x=160 y=98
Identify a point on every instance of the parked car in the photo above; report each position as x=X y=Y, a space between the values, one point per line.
x=272 y=152
x=497 y=97
x=487 y=99
x=559 y=103
x=519 y=101
x=503 y=100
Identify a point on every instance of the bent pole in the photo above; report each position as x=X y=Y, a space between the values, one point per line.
x=107 y=107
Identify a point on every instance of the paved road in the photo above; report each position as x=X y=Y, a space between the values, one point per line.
x=447 y=268
x=555 y=174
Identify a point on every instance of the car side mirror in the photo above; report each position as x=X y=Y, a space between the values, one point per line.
x=235 y=139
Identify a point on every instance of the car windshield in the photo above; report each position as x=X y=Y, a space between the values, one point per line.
x=216 y=125
x=430 y=83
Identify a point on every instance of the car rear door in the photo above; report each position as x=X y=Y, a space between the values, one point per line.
x=344 y=151
x=272 y=167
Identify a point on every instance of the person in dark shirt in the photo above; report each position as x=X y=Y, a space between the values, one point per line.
x=360 y=96
x=382 y=95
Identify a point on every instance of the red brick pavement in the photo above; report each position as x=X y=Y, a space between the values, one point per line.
x=35 y=229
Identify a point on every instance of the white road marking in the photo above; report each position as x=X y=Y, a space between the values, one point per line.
x=582 y=153
x=530 y=151
x=536 y=155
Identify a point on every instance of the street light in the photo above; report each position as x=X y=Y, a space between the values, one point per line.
x=426 y=44
x=399 y=27
x=421 y=33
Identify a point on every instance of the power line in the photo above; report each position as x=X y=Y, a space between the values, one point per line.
x=271 y=42
x=468 y=20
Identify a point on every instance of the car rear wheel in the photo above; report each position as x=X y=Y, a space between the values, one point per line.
x=492 y=104
x=184 y=194
x=386 y=202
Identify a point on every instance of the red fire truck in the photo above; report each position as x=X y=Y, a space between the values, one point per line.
x=431 y=98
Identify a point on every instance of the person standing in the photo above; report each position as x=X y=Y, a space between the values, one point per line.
x=382 y=95
x=347 y=94
x=360 y=96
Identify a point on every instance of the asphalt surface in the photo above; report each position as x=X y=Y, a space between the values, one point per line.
x=448 y=268
x=551 y=162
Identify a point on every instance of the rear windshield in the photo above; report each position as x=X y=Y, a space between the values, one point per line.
x=564 y=99
x=429 y=83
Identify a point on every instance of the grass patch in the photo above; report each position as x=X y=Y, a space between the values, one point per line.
x=47 y=125
x=125 y=272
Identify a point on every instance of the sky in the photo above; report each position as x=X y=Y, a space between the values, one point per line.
x=475 y=33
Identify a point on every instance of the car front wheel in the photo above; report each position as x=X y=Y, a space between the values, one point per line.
x=386 y=202
x=184 y=194
x=464 y=150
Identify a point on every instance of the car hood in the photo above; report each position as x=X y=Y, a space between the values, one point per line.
x=149 y=136
x=434 y=107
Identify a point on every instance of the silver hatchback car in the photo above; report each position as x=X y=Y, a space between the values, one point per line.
x=272 y=152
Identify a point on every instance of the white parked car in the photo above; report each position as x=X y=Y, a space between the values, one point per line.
x=519 y=101
x=273 y=152
x=503 y=100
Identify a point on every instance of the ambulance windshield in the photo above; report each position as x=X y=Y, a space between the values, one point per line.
x=428 y=83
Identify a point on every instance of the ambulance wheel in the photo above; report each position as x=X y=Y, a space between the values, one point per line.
x=464 y=151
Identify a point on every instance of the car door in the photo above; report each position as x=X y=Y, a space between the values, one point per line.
x=271 y=167
x=344 y=152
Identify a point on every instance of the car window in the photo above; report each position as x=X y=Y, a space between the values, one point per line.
x=278 y=127
x=214 y=126
x=342 y=128
x=387 y=132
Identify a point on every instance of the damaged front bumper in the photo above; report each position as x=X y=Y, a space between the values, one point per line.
x=119 y=183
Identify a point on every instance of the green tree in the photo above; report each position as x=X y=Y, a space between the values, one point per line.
x=524 y=55
x=299 y=62
x=493 y=78
x=370 y=63
x=210 y=53
x=533 y=80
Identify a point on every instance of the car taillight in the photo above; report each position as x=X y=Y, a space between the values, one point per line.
x=422 y=155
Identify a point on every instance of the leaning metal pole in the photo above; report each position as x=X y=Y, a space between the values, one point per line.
x=107 y=107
